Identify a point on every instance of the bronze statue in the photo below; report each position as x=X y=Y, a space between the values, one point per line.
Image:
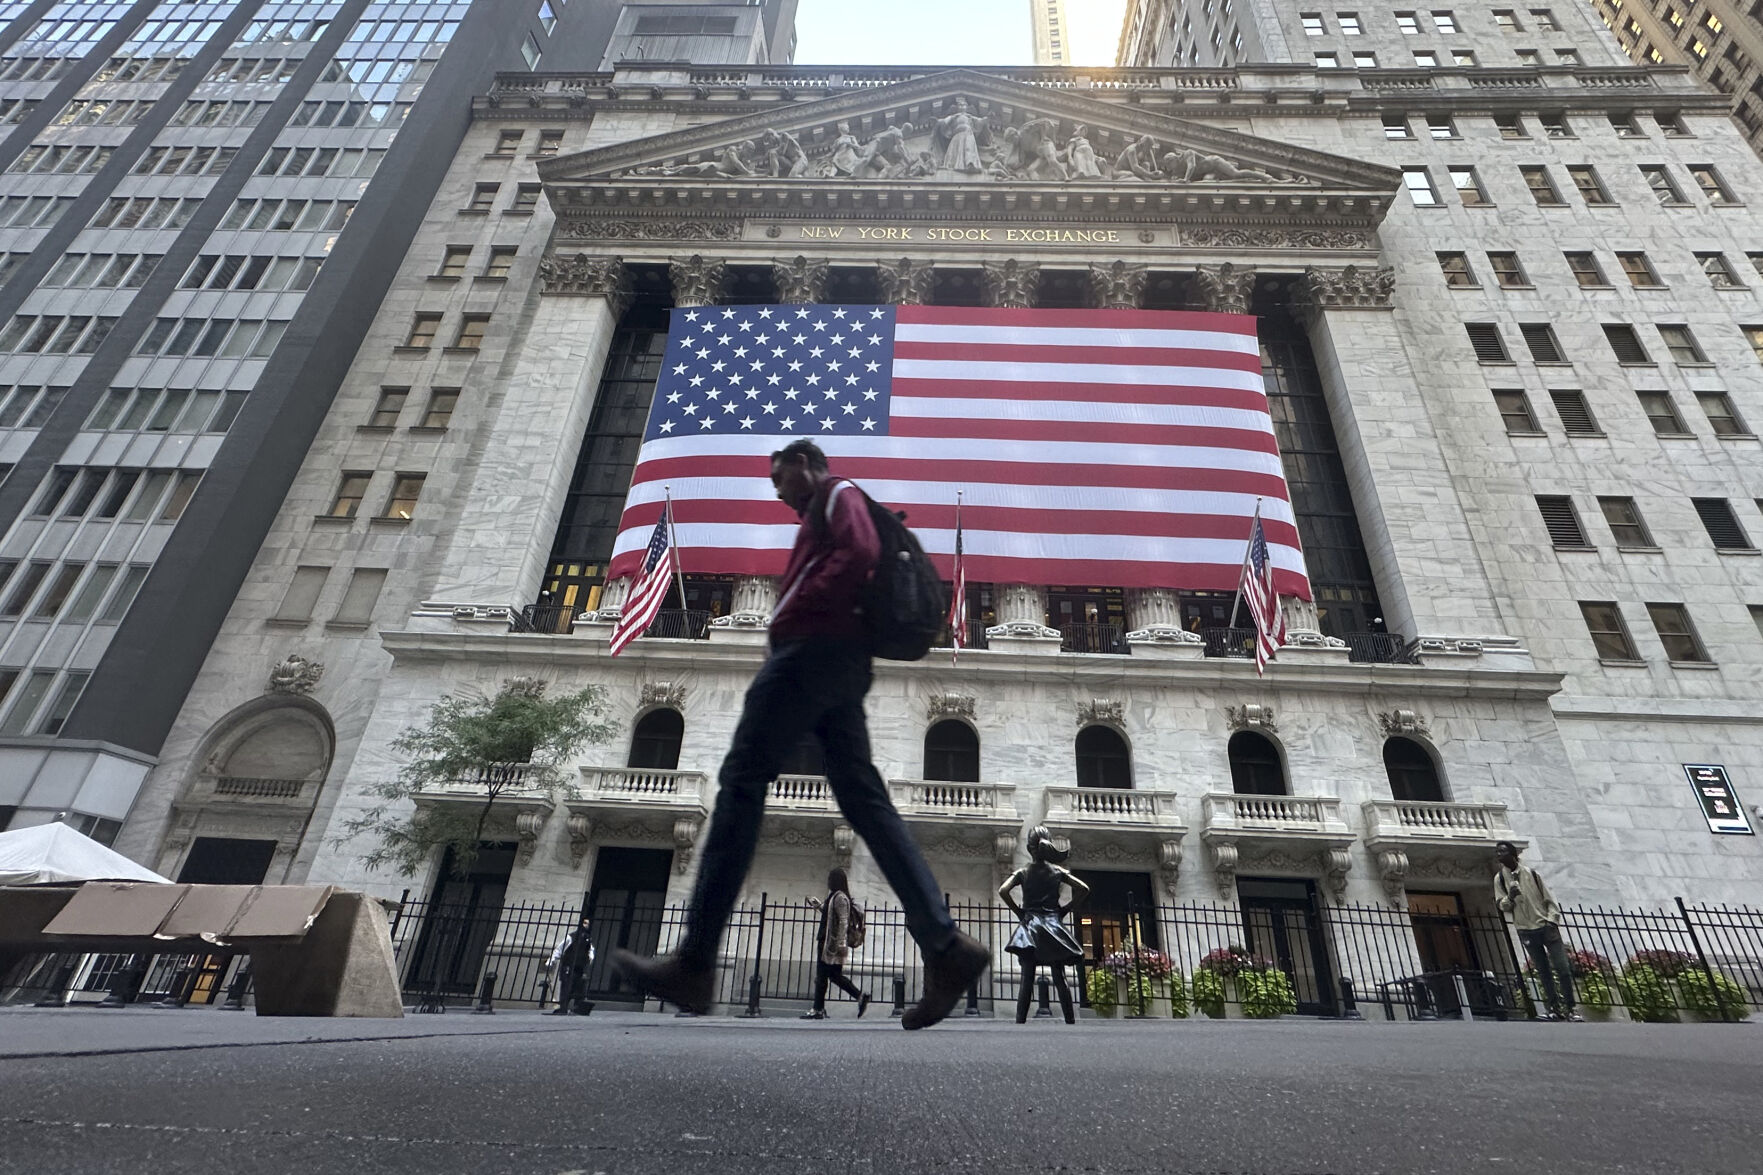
x=1042 y=937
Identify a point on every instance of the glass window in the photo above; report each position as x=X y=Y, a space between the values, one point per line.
x=1676 y=633
x=124 y=598
x=1456 y=270
x=1591 y=189
x=60 y=587
x=1711 y=184
x=1515 y=412
x=471 y=331
x=529 y=52
x=1626 y=525
x=1395 y=126
x=508 y=142
x=1507 y=271
x=441 y=403
x=1312 y=22
x=181 y=494
x=363 y=592
x=1585 y=269
x=1661 y=413
x=1724 y=418
x=1555 y=125
x=501 y=260
x=550 y=142
x=1419 y=185
x=453 y=263
x=422 y=330
x=86 y=600
x=391 y=403
x=483 y=197
x=350 y=491
x=547 y=16
x=1664 y=187
x=24 y=587
x=406 y=489
x=1542 y=188
x=526 y=197
x=18 y=719
x=1682 y=345
x=1440 y=126
x=1603 y=621
x=1639 y=270
x=1511 y=126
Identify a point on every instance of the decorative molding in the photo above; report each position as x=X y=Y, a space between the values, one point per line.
x=1352 y=287
x=1227 y=288
x=1011 y=284
x=1004 y=848
x=585 y=276
x=905 y=282
x=685 y=839
x=1396 y=722
x=754 y=597
x=662 y=693
x=1392 y=870
x=1164 y=634
x=1026 y=628
x=1100 y=710
x=1169 y=855
x=294 y=675
x=1251 y=716
x=1118 y=285
x=1456 y=867
x=1220 y=237
x=844 y=844
x=697 y=281
x=527 y=826
x=1225 y=859
x=949 y=705
x=581 y=832
x=1466 y=646
x=1336 y=863
x=800 y=280
x=1306 y=638
x=604 y=229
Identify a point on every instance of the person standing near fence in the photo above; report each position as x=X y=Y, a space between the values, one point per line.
x=835 y=947
x=1042 y=937
x=1537 y=918
x=568 y=962
x=813 y=682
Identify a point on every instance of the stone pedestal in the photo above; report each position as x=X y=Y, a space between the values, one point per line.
x=1022 y=621
x=746 y=624
x=1153 y=622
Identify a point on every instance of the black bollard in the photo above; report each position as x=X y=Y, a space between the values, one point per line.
x=126 y=984
x=899 y=996
x=972 y=999
x=486 y=996
x=235 y=992
x=544 y=991
x=1349 y=1002
x=755 y=988
x=182 y=984
x=1046 y=1007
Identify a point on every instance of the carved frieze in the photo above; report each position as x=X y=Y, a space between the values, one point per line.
x=582 y=275
x=527 y=826
x=295 y=675
x=1227 y=288
x=1213 y=237
x=949 y=705
x=1392 y=870
x=607 y=229
x=662 y=693
x=1117 y=285
x=685 y=840
x=1251 y=716
x=1011 y=284
x=1352 y=287
x=799 y=280
x=697 y=280
x=905 y=282
x=1100 y=710
x=1396 y=722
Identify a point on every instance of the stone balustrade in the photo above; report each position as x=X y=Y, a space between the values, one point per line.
x=1280 y=833
x=1479 y=824
x=641 y=786
x=801 y=793
x=976 y=801
x=1228 y=811
x=1111 y=807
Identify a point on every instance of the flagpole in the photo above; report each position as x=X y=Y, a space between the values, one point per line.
x=1249 y=545
x=954 y=630
x=679 y=576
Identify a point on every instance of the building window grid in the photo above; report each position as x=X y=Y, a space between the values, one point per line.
x=1542 y=187
x=1681 y=343
x=1677 y=634
x=1515 y=413
x=1723 y=418
x=406 y=489
x=1661 y=413
x=1639 y=271
x=1721 y=274
x=1507 y=271
x=1604 y=623
x=1627 y=527
x=1586 y=270
x=1455 y=267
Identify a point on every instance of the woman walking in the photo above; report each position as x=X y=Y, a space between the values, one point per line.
x=835 y=931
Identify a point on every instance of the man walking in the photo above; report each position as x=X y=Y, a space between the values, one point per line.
x=814 y=681
x=568 y=962
x=1522 y=894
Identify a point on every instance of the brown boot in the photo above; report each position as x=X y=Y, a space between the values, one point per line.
x=946 y=979
x=669 y=979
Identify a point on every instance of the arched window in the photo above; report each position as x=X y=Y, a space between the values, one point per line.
x=655 y=743
x=951 y=752
x=1255 y=769
x=805 y=758
x=1413 y=774
x=1103 y=759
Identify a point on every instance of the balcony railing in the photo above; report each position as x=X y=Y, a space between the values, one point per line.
x=250 y=787
x=1229 y=642
x=680 y=624
x=638 y=786
x=976 y=801
x=1420 y=820
x=1378 y=648
x=1110 y=806
x=1092 y=638
x=505 y=778
x=1228 y=811
x=553 y=618
x=802 y=793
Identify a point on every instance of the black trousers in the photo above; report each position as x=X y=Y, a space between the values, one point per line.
x=1548 y=954
x=814 y=687
x=833 y=973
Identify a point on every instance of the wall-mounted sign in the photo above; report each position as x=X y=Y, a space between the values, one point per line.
x=1719 y=803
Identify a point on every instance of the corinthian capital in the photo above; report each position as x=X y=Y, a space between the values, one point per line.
x=905 y=282
x=1011 y=283
x=1352 y=287
x=1117 y=285
x=697 y=281
x=585 y=276
x=800 y=280
x=1226 y=288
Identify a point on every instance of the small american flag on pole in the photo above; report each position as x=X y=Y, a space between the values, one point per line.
x=1257 y=589
x=958 y=597
x=649 y=591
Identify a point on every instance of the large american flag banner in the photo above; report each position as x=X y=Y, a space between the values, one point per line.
x=1123 y=448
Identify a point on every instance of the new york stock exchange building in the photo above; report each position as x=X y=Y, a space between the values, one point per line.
x=1510 y=340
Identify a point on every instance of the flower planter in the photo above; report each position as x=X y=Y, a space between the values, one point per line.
x=1606 y=1014
x=1156 y=1006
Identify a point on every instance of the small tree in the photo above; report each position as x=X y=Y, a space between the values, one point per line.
x=519 y=738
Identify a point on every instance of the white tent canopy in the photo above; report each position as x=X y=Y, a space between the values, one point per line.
x=55 y=852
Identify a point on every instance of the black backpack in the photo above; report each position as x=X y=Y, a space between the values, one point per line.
x=903 y=606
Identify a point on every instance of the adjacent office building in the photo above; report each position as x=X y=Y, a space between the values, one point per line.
x=202 y=207
x=1720 y=40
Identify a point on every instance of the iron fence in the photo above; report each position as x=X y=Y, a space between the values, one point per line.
x=1691 y=962
x=1229 y=642
x=1382 y=648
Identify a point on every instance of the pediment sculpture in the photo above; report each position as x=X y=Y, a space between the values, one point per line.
x=963 y=146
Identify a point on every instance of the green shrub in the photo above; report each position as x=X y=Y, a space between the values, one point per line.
x=1647 y=995
x=1267 y=994
x=1099 y=985
x=1178 y=996
x=1594 y=991
x=1209 y=992
x=1699 y=994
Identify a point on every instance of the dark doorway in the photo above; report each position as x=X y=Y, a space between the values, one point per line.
x=222 y=860
x=1281 y=919
x=1103 y=759
x=951 y=752
x=1255 y=769
x=1441 y=932
x=1120 y=906
x=655 y=742
x=1413 y=775
x=460 y=923
x=626 y=900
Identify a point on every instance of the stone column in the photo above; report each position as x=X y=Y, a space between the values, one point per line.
x=1429 y=573
x=799 y=281
x=905 y=282
x=1153 y=618
x=1118 y=285
x=1012 y=284
x=755 y=597
x=529 y=435
x=697 y=281
x=1225 y=288
x=1022 y=620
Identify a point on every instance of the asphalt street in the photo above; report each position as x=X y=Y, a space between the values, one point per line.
x=143 y=1090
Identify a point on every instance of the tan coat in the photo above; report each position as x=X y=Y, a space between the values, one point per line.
x=833 y=950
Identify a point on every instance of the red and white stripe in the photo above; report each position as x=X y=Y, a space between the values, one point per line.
x=1118 y=447
x=645 y=600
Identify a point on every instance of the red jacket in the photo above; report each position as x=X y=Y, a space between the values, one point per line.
x=835 y=554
